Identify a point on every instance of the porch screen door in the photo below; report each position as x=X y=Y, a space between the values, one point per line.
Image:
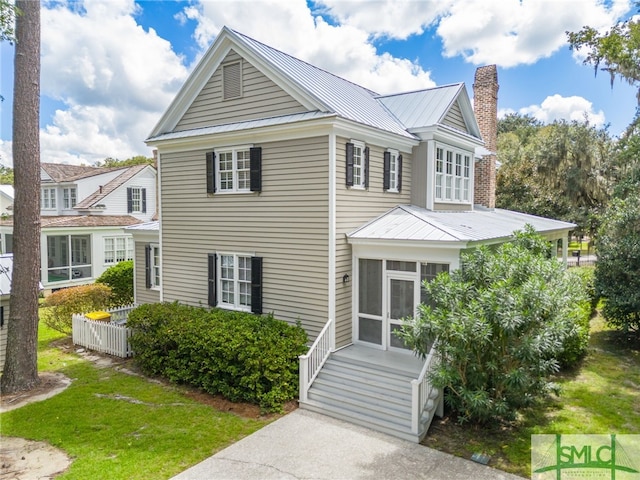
x=401 y=304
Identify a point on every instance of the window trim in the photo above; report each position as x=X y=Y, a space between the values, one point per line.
x=392 y=158
x=357 y=173
x=49 y=200
x=452 y=171
x=234 y=170
x=128 y=249
x=142 y=199
x=150 y=266
x=69 y=197
x=214 y=279
x=236 y=305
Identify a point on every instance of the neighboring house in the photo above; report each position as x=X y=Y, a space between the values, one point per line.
x=6 y=267
x=6 y=200
x=83 y=210
x=287 y=189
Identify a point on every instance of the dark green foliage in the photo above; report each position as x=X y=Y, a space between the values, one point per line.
x=505 y=321
x=618 y=266
x=120 y=279
x=241 y=356
x=67 y=301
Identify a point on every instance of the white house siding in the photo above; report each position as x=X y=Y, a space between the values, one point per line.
x=4 y=302
x=286 y=224
x=261 y=98
x=354 y=207
x=116 y=201
x=142 y=293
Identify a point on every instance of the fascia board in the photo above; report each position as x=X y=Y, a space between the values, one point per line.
x=448 y=134
x=351 y=129
x=455 y=245
x=467 y=111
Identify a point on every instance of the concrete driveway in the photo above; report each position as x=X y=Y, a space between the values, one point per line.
x=307 y=445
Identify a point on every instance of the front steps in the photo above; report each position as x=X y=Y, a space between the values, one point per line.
x=370 y=392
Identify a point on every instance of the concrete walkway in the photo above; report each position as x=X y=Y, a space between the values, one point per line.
x=306 y=445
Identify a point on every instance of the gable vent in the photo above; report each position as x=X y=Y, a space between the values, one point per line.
x=232 y=80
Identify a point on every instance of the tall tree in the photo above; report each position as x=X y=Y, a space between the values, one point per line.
x=129 y=162
x=21 y=366
x=617 y=51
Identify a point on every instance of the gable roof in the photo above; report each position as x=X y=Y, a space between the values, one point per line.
x=68 y=173
x=105 y=190
x=411 y=223
x=316 y=89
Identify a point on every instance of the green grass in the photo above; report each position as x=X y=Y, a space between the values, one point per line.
x=119 y=426
x=602 y=395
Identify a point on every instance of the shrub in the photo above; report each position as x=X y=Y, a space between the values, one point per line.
x=67 y=301
x=120 y=278
x=504 y=320
x=241 y=356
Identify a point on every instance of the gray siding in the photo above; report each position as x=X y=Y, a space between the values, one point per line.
x=143 y=294
x=286 y=224
x=354 y=208
x=452 y=207
x=454 y=118
x=4 y=301
x=419 y=176
x=261 y=98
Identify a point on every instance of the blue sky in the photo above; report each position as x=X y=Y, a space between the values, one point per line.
x=111 y=67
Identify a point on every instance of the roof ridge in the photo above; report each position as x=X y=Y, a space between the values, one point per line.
x=433 y=222
x=421 y=90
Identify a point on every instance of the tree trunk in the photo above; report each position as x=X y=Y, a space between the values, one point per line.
x=21 y=365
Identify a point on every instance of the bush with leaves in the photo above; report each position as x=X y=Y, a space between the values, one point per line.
x=120 y=278
x=503 y=322
x=239 y=355
x=62 y=304
x=618 y=265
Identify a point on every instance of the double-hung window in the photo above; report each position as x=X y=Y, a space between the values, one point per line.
x=69 y=197
x=452 y=175
x=392 y=169
x=235 y=281
x=152 y=266
x=117 y=249
x=49 y=198
x=136 y=200
x=357 y=165
x=234 y=170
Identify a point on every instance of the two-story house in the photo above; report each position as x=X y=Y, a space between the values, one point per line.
x=83 y=210
x=287 y=189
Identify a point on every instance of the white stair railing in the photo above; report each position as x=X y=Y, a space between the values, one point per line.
x=423 y=394
x=312 y=361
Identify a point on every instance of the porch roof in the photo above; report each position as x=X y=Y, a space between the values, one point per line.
x=411 y=223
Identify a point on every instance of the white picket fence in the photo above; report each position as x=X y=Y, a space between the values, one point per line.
x=104 y=337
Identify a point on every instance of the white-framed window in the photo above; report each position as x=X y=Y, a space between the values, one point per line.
x=234 y=168
x=69 y=197
x=155 y=266
x=136 y=200
x=49 y=198
x=394 y=170
x=453 y=174
x=358 y=165
x=117 y=249
x=234 y=281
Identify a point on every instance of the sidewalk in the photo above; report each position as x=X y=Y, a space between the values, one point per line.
x=306 y=445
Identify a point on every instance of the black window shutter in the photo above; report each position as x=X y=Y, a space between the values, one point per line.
x=256 y=285
x=255 y=165
x=349 y=167
x=211 y=172
x=212 y=301
x=1 y=317
x=147 y=265
x=386 y=171
x=366 y=167
x=129 y=200
x=144 y=200
x=399 y=173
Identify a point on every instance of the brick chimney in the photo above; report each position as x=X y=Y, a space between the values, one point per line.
x=485 y=106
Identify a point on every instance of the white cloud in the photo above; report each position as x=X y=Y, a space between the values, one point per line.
x=557 y=107
x=294 y=29
x=514 y=32
x=96 y=60
x=6 y=153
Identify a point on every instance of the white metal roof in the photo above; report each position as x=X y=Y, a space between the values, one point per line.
x=408 y=222
x=150 y=226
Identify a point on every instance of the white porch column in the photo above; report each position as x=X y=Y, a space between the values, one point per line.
x=565 y=249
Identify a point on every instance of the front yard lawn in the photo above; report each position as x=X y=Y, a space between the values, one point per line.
x=602 y=395
x=120 y=426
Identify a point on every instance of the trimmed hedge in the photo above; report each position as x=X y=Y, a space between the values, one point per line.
x=67 y=301
x=242 y=356
x=120 y=278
